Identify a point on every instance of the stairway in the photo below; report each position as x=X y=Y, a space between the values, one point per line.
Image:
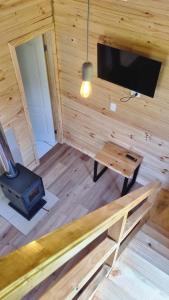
x=142 y=271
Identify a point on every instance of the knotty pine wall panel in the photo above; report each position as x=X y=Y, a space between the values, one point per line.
x=141 y=26
x=18 y=18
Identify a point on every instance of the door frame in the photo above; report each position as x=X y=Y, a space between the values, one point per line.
x=50 y=51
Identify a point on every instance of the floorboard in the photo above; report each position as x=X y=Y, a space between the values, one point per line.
x=67 y=173
x=142 y=271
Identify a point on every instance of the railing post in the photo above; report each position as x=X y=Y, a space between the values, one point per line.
x=46 y=255
x=116 y=233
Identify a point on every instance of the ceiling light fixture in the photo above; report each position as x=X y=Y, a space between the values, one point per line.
x=87 y=68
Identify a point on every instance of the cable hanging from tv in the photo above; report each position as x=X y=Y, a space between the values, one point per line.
x=128 y=98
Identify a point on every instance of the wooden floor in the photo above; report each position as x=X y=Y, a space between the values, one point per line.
x=67 y=173
x=142 y=271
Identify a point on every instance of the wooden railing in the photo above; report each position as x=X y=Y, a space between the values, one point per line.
x=28 y=266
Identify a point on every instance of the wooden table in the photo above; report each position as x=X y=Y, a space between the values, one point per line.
x=120 y=160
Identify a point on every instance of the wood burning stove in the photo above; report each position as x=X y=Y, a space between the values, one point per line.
x=25 y=191
x=21 y=186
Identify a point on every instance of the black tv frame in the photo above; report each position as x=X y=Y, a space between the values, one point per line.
x=141 y=77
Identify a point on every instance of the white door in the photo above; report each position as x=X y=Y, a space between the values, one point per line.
x=32 y=64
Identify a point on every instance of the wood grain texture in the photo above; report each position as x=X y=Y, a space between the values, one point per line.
x=69 y=286
x=68 y=174
x=140 y=125
x=53 y=79
x=114 y=157
x=44 y=256
x=18 y=18
x=160 y=212
x=136 y=217
x=141 y=272
x=89 y=290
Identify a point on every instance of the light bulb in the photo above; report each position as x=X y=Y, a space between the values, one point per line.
x=86 y=89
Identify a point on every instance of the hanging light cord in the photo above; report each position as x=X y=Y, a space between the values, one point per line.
x=126 y=99
x=88 y=15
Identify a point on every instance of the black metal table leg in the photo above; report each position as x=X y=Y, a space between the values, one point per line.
x=124 y=189
x=96 y=175
x=127 y=186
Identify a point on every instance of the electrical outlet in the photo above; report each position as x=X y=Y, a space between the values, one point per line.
x=113 y=106
x=133 y=93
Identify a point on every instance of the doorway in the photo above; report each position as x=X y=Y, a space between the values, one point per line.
x=32 y=64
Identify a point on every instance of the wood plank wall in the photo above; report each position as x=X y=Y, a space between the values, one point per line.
x=18 y=18
x=137 y=25
x=142 y=124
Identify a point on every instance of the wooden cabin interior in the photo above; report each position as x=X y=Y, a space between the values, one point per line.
x=84 y=149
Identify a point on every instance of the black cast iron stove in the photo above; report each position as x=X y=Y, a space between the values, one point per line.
x=25 y=191
x=21 y=186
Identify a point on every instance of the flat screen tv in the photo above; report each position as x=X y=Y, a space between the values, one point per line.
x=132 y=71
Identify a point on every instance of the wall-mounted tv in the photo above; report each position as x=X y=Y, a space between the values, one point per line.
x=132 y=71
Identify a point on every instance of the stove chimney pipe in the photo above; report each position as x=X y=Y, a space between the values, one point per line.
x=6 y=157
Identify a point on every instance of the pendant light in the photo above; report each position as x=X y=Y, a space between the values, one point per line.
x=87 y=68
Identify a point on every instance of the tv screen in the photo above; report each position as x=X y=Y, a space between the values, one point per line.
x=129 y=70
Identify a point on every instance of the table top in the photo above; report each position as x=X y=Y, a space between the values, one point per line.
x=115 y=158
